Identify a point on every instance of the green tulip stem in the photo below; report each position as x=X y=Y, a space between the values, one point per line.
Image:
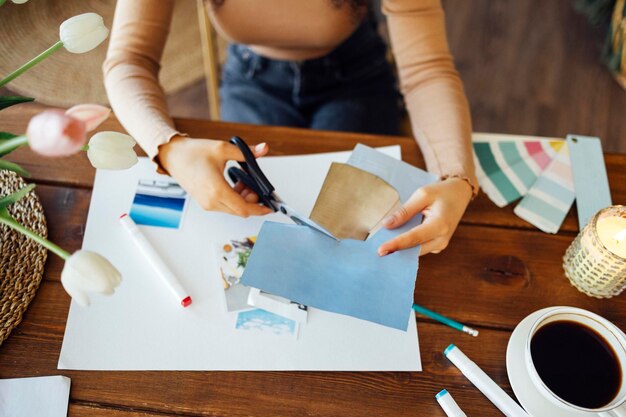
x=7 y=219
x=31 y=63
x=10 y=145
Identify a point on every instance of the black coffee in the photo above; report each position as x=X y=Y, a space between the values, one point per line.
x=576 y=363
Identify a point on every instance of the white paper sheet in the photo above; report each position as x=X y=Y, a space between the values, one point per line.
x=142 y=327
x=45 y=396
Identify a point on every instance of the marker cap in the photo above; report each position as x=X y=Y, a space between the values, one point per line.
x=448 y=349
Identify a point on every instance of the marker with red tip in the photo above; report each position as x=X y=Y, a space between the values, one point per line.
x=155 y=260
x=186 y=302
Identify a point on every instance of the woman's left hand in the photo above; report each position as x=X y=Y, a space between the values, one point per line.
x=442 y=203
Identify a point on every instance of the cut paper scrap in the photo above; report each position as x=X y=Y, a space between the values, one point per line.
x=353 y=202
x=346 y=277
x=37 y=396
x=507 y=166
x=548 y=201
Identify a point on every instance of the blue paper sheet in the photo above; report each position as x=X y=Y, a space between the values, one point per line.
x=348 y=276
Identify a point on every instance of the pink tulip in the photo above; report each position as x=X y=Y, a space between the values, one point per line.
x=53 y=133
x=92 y=114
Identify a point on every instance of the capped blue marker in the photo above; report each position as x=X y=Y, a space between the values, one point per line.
x=448 y=349
x=441 y=393
x=447 y=403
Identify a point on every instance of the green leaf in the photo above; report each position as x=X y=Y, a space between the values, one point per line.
x=2 y=2
x=10 y=166
x=8 y=101
x=7 y=135
x=16 y=196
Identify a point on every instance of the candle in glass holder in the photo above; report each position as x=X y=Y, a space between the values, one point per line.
x=612 y=234
x=595 y=262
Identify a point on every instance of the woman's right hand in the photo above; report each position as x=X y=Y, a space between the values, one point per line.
x=198 y=166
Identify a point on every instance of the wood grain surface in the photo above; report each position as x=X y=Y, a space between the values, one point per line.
x=496 y=270
x=529 y=67
x=534 y=67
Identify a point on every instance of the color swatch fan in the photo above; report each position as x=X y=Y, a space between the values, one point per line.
x=535 y=169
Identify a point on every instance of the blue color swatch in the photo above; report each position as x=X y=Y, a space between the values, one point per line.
x=590 y=180
x=149 y=210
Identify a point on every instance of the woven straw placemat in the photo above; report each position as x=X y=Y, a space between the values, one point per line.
x=21 y=259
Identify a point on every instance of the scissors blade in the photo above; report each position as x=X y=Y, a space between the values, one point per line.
x=299 y=219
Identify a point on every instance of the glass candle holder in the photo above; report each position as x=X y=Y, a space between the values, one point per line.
x=595 y=262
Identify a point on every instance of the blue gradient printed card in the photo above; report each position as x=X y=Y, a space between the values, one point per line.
x=263 y=322
x=158 y=203
x=346 y=277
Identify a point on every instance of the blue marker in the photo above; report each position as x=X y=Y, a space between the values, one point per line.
x=445 y=320
x=484 y=383
x=450 y=407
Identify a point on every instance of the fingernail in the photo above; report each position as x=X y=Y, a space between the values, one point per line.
x=260 y=147
x=383 y=253
x=388 y=221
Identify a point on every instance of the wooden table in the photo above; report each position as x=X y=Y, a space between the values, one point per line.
x=497 y=270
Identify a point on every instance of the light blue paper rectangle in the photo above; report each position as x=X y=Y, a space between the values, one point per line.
x=405 y=178
x=348 y=276
x=589 y=173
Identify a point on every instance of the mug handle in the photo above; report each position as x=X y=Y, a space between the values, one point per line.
x=618 y=412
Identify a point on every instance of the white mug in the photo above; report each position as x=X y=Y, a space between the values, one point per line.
x=611 y=334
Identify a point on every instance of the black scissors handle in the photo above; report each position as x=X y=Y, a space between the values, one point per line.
x=251 y=174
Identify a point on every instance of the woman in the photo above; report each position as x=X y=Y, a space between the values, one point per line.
x=317 y=64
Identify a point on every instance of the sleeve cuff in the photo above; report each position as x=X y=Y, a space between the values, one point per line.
x=154 y=152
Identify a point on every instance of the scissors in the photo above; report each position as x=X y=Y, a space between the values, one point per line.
x=251 y=176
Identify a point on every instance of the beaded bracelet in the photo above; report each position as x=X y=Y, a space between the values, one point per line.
x=465 y=178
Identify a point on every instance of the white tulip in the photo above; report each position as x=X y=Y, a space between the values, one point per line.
x=87 y=271
x=83 y=33
x=111 y=150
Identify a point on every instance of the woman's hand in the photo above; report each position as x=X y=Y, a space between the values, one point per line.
x=198 y=166
x=442 y=203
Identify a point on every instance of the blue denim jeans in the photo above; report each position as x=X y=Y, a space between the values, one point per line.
x=353 y=88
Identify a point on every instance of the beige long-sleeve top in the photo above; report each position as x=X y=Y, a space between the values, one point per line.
x=431 y=86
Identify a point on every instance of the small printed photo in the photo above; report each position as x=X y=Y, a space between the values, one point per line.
x=158 y=203
x=233 y=257
x=261 y=321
